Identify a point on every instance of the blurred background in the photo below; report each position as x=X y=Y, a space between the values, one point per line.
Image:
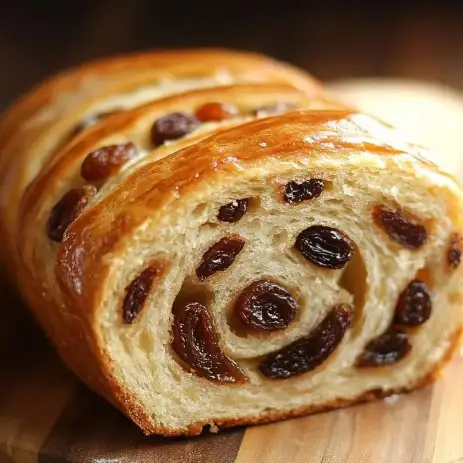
x=397 y=59
x=334 y=40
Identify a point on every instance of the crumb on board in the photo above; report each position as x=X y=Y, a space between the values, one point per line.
x=213 y=428
x=392 y=399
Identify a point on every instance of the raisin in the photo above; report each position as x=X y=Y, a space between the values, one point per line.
x=91 y=120
x=136 y=293
x=67 y=209
x=414 y=306
x=196 y=344
x=275 y=109
x=215 y=112
x=406 y=231
x=389 y=348
x=264 y=305
x=103 y=162
x=296 y=192
x=232 y=212
x=311 y=351
x=172 y=127
x=325 y=246
x=219 y=257
x=455 y=250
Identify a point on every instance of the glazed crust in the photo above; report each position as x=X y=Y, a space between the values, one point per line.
x=154 y=185
x=42 y=119
x=128 y=72
x=141 y=213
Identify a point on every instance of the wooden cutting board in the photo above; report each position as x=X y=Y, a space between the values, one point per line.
x=47 y=416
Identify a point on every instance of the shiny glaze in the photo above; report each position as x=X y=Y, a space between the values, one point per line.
x=64 y=282
x=26 y=129
x=67 y=165
x=168 y=182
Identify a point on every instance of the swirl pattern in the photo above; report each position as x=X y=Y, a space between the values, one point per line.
x=208 y=252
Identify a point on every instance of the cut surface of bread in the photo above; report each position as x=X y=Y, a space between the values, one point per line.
x=232 y=254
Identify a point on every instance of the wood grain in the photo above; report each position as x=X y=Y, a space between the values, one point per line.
x=90 y=430
x=446 y=416
x=46 y=416
x=380 y=432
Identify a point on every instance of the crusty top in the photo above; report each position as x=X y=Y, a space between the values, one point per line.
x=252 y=149
x=36 y=127
x=76 y=276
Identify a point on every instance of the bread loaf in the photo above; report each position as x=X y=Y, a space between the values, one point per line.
x=208 y=238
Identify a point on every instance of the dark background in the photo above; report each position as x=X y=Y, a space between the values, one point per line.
x=331 y=39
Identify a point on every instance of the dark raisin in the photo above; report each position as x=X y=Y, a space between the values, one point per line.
x=278 y=108
x=209 y=112
x=91 y=120
x=196 y=344
x=386 y=349
x=455 y=250
x=106 y=161
x=325 y=246
x=172 y=127
x=264 y=305
x=296 y=192
x=219 y=257
x=67 y=209
x=311 y=351
x=405 y=230
x=232 y=212
x=136 y=293
x=414 y=306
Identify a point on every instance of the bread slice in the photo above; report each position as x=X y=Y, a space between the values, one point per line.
x=239 y=254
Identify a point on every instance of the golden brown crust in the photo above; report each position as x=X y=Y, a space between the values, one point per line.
x=154 y=184
x=69 y=94
x=160 y=183
x=63 y=282
x=28 y=128
x=66 y=162
x=127 y=73
x=131 y=71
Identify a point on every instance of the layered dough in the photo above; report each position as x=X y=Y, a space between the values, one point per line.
x=45 y=119
x=276 y=254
